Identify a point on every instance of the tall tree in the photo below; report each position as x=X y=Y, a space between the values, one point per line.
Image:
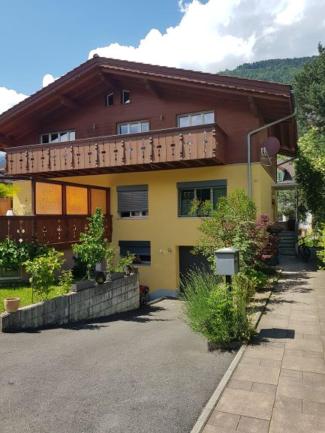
x=310 y=166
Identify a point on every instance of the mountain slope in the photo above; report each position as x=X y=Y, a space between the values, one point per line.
x=278 y=70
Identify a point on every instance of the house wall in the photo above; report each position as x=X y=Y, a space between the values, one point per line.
x=93 y=118
x=163 y=227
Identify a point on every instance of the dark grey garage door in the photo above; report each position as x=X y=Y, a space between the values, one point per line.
x=189 y=261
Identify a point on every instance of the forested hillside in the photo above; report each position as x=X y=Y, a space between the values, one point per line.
x=279 y=70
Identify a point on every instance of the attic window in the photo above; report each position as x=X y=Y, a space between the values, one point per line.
x=110 y=99
x=58 y=137
x=125 y=97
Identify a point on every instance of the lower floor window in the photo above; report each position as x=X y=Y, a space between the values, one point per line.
x=196 y=194
x=140 y=249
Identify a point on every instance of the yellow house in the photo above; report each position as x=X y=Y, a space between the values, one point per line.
x=141 y=142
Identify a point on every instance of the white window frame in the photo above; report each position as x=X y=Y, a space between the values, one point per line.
x=122 y=97
x=69 y=132
x=107 y=97
x=191 y=115
x=128 y=124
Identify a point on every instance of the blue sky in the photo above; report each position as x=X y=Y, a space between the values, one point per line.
x=41 y=36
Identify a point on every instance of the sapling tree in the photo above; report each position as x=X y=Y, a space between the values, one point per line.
x=43 y=271
x=92 y=246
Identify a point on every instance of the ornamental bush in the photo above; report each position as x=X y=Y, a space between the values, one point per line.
x=14 y=254
x=233 y=224
x=43 y=271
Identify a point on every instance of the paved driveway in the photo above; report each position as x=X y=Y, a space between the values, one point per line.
x=143 y=372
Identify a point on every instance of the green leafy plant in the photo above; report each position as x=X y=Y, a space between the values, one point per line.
x=219 y=314
x=43 y=270
x=13 y=254
x=65 y=281
x=125 y=263
x=321 y=247
x=232 y=224
x=110 y=258
x=6 y=190
x=92 y=246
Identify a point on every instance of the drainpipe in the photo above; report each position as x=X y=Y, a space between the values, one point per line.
x=249 y=149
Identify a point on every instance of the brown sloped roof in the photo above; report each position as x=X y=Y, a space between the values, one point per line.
x=153 y=72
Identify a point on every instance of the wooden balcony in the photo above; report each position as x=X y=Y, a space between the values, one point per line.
x=154 y=150
x=56 y=230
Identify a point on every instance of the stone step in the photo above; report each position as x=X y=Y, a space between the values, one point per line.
x=287 y=251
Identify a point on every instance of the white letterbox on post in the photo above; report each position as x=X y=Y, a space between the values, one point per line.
x=227 y=261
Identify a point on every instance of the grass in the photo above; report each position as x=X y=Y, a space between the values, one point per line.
x=25 y=295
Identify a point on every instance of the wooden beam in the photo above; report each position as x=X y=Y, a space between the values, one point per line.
x=254 y=108
x=152 y=88
x=109 y=82
x=208 y=87
x=69 y=102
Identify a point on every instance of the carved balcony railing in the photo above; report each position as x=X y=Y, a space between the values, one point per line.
x=56 y=230
x=153 y=150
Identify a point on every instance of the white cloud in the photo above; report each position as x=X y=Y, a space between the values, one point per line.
x=48 y=79
x=221 y=34
x=9 y=97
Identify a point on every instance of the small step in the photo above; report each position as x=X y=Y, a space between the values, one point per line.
x=287 y=251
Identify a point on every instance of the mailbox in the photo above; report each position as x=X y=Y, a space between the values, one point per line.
x=227 y=261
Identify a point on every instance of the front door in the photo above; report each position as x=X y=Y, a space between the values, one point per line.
x=189 y=261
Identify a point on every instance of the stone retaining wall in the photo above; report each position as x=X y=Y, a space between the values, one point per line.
x=103 y=300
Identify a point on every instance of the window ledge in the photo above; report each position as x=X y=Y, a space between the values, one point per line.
x=132 y=218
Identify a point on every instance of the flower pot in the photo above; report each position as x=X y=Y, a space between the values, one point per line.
x=11 y=304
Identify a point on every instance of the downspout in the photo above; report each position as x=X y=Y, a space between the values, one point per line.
x=249 y=149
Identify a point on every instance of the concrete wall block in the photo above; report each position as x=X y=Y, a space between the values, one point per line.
x=110 y=298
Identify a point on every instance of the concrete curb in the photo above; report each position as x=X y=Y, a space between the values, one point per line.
x=211 y=404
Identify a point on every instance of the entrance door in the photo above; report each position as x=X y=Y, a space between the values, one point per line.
x=189 y=261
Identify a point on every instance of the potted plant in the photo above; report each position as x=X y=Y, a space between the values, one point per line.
x=11 y=304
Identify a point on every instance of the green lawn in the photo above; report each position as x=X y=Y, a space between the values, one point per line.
x=25 y=295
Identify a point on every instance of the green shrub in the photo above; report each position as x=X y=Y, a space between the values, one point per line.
x=219 y=314
x=110 y=258
x=321 y=247
x=232 y=224
x=65 y=282
x=197 y=287
x=13 y=254
x=43 y=270
x=246 y=284
x=125 y=262
x=92 y=246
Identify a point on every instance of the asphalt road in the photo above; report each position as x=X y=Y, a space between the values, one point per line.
x=142 y=372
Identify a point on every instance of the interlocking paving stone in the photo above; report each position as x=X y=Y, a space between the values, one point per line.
x=264 y=387
x=225 y=421
x=240 y=384
x=279 y=384
x=288 y=387
x=287 y=422
x=246 y=403
x=288 y=403
x=314 y=365
x=252 y=425
x=265 y=352
x=257 y=373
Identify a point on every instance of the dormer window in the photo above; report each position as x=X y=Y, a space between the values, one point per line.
x=110 y=99
x=125 y=97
